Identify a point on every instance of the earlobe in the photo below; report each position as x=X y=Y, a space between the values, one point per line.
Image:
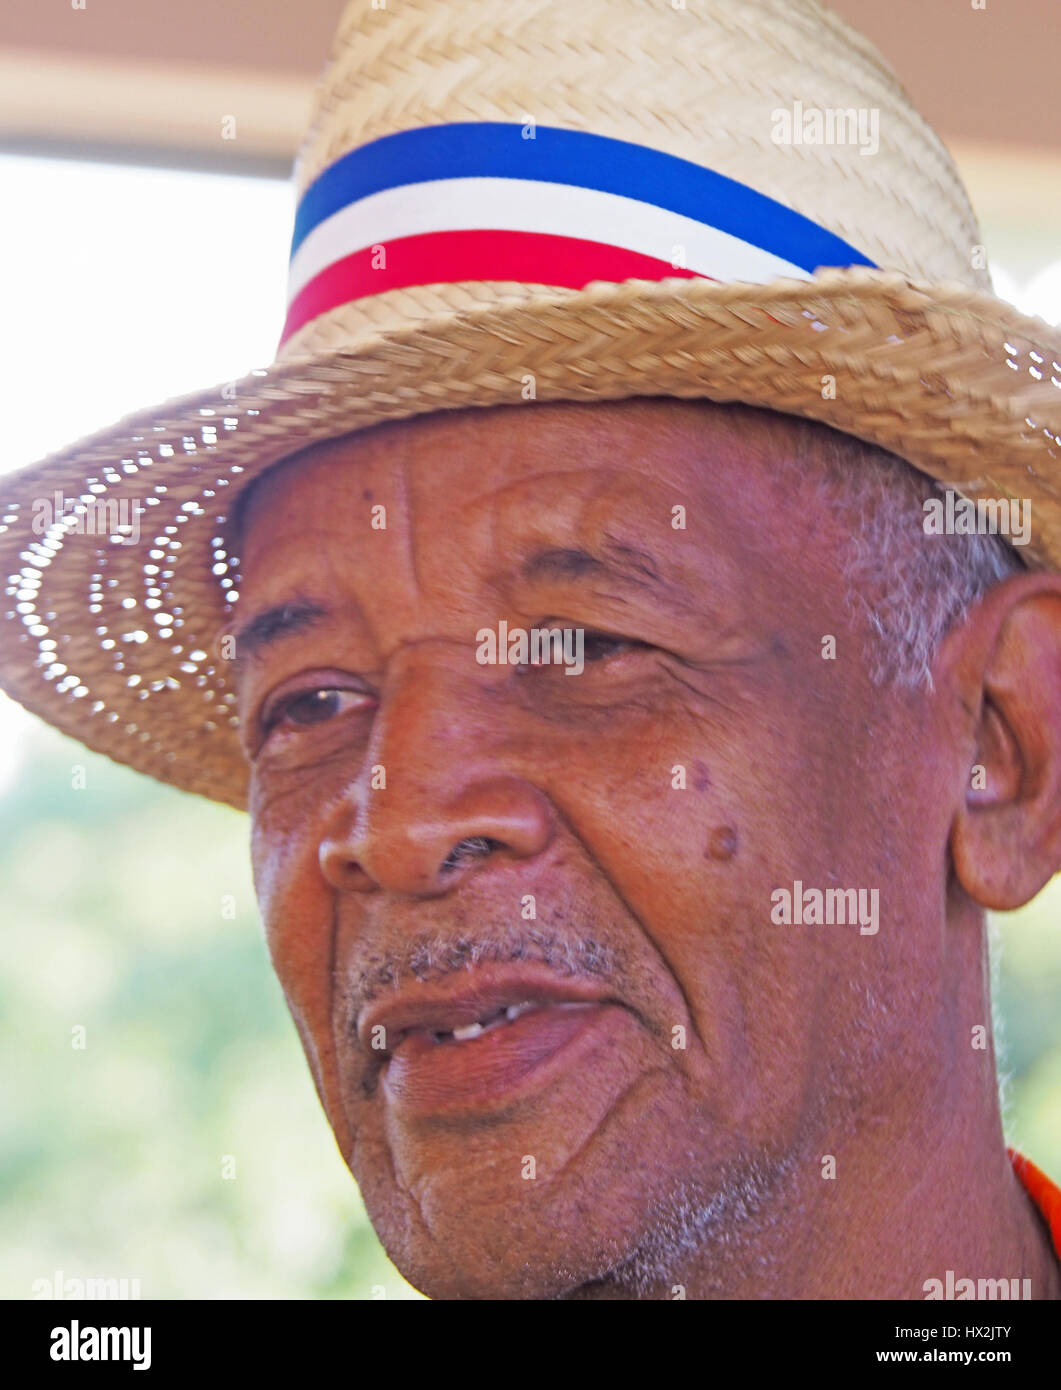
x=1002 y=668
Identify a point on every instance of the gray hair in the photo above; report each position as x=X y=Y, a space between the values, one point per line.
x=909 y=588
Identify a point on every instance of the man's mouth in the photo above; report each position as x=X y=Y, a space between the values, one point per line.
x=480 y=1037
x=496 y=1020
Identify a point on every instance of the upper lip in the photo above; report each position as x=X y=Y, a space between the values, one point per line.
x=460 y=999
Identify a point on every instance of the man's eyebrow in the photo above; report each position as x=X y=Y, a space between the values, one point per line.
x=621 y=562
x=272 y=624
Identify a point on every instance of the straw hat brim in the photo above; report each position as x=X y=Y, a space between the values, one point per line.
x=118 y=644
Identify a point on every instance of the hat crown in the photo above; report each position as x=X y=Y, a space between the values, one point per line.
x=779 y=95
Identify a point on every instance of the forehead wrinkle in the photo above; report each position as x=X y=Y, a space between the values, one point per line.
x=516 y=519
x=538 y=525
x=406 y=488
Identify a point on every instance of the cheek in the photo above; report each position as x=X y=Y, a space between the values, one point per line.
x=693 y=836
x=296 y=908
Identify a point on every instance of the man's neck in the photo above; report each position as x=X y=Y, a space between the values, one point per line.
x=907 y=1204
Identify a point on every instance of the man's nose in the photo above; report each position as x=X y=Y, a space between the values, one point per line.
x=448 y=801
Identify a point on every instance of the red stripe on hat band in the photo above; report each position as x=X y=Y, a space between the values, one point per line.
x=434 y=258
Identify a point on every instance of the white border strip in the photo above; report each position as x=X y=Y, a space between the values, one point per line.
x=526 y=205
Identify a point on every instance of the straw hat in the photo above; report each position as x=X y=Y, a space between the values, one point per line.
x=611 y=198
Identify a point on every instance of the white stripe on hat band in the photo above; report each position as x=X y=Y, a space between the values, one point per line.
x=524 y=205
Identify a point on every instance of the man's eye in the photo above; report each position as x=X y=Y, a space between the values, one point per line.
x=591 y=648
x=598 y=646
x=312 y=707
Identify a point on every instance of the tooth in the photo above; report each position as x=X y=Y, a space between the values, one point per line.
x=465 y=1034
x=514 y=1010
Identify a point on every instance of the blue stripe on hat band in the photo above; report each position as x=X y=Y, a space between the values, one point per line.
x=496 y=149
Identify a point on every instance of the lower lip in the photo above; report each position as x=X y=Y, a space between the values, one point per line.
x=500 y=1064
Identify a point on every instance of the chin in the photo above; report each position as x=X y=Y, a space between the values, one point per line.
x=452 y=1244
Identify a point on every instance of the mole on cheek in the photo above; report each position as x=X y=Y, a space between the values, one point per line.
x=723 y=843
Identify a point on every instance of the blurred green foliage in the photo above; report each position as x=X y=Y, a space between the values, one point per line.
x=111 y=1156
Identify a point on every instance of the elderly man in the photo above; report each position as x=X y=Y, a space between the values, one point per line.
x=630 y=761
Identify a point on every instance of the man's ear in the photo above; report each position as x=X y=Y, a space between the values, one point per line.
x=1001 y=669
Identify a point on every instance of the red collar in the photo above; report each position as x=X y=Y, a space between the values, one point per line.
x=1045 y=1194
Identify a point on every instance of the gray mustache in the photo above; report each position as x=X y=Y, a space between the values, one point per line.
x=433 y=957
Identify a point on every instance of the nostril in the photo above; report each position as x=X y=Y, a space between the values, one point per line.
x=473 y=847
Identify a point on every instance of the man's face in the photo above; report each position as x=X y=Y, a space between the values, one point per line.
x=686 y=1057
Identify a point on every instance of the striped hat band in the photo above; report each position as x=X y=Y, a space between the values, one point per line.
x=495 y=200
